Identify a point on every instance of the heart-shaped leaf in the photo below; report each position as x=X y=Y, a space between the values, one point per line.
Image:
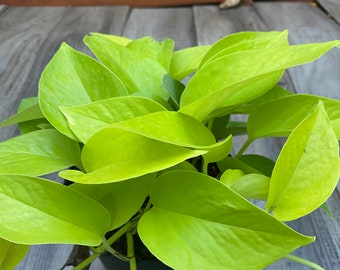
x=70 y=79
x=114 y=154
x=87 y=119
x=307 y=169
x=38 y=211
x=211 y=227
x=38 y=153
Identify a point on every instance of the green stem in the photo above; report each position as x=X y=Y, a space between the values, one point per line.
x=243 y=148
x=87 y=261
x=114 y=252
x=119 y=233
x=304 y=262
x=131 y=251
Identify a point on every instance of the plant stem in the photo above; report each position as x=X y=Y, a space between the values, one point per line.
x=303 y=261
x=243 y=148
x=119 y=233
x=131 y=251
x=87 y=261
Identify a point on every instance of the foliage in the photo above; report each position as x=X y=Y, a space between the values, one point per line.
x=139 y=147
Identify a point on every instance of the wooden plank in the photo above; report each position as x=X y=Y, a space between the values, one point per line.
x=307 y=24
x=45 y=257
x=134 y=3
x=332 y=7
x=175 y=23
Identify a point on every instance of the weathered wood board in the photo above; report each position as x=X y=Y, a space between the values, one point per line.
x=332 y=7
x=30 y=36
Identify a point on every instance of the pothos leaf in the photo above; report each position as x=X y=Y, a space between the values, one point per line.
x=307 y=169
x=38 y=211
x=237 y=234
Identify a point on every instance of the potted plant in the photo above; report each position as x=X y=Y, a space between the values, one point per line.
x=146 y=154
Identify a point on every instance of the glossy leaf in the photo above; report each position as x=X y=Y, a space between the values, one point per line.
x=227 y=100
x=186 y=61
x=267 y=120
x=114 y=154
x=262 y=61
x=170 y=127
x=70 y=79
x=237 y=234
x=244 y=41
x=123 y=41
x=275 y=93
x=307 y=169
x=207 y=96
x=141 y=64
x=38 y=211
x=117 y=199
x=11 y=254
x=218 y=151
x=38 y=153
x=250 y=186
x=87 y=119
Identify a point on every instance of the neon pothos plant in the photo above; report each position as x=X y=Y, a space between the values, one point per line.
x=148 y=155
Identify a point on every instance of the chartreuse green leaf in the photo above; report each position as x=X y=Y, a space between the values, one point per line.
x=123 y=41
x=275 y=93
x=11 y=254
x=186 y=61
x=267 y=119
x=117 y=199
x=115 y=154
x=244 y=41
x=70 y=79
x=38 y=153
x=307 y=169
x=171 y=127
x=236 y=67
x=38 y=211
x=26 y=112
x=251 y=186
x=85 y=120
x=211 y=227
x=227 y=100
x=238 y=84
x=219 y=150
x=141 y=64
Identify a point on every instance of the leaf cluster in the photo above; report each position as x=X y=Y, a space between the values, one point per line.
x=148 y=154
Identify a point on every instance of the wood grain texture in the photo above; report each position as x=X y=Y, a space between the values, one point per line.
x=30 y=36
x=133 y=3
x=161 y=23
x=307 y=24
x=332 y=7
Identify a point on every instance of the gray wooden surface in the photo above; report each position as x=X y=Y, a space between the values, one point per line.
x=29 y=36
